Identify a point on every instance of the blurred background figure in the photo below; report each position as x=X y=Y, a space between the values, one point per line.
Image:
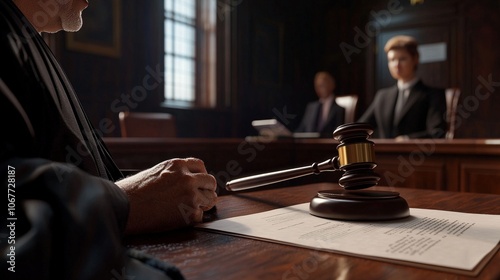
x=409 y=109
x=324 y=115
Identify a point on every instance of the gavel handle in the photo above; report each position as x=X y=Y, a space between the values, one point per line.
x=255 y=181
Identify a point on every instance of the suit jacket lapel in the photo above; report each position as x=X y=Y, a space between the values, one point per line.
x=330 y=112
x=314 y=115
x=413 y=97
x=388 y=114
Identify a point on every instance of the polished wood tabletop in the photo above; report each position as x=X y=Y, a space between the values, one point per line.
x=208 y=255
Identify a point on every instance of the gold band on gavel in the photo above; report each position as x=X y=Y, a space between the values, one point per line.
x=355 y=153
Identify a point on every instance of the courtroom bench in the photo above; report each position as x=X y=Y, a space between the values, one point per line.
x=466 y=165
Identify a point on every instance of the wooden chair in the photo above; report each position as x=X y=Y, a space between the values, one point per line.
x=452 y=96
x=147 y=124
x=348 y=102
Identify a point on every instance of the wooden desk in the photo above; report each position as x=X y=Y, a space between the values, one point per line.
x=467 y=165
x=208 y=255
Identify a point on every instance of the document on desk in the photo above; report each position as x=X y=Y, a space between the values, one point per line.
x=443 y=240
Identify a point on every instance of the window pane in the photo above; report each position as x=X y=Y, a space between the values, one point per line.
x=169 y=42
x=184 y=40
x=169 y=78
x=180 y=42
x=184 y=79
x=169 y=63
x=169 y=4
x=185 y=8
x=169 y=91
x=179 y=78
x=184 y=65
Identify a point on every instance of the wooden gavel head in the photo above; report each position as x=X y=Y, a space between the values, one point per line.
x=356 y=156
x=357 y=159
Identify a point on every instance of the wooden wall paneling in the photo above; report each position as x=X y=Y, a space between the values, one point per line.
x=456 y=165
x=452 y=182
x=403 y=171
x=482 y=59
x=428 y=24
x=434 y=74
x=480 y=175
x=315 y=151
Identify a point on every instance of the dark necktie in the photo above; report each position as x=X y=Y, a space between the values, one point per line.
x=319 y=118
x=400 y=102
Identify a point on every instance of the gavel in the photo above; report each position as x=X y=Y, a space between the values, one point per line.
x=356 y=158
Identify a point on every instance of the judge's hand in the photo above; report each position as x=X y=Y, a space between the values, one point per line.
x=170 y=195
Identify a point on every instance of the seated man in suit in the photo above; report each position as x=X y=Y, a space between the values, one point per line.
x=409 y=109
x=323 y=115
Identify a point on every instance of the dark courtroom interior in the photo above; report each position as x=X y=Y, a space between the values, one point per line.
x=232 y=83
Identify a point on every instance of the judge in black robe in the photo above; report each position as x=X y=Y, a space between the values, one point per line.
x=65 y=216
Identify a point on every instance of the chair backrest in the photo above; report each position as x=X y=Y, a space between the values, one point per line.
x=349 y=103
x=147 y=124
x=452 y=96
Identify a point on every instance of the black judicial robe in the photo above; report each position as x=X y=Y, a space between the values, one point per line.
x=62 y=216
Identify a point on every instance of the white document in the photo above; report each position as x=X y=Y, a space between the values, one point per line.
x=432 y=237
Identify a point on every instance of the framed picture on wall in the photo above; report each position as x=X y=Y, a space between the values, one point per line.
x=101 y=30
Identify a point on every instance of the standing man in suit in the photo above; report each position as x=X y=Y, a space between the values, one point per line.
x=409 y=109
x=323 y=115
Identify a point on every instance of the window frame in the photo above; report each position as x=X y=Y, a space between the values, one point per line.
x=205 y=57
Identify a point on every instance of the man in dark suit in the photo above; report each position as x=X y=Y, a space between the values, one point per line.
x=409 y=109
x=324 y=115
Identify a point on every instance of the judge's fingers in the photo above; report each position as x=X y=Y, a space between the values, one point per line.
x=194 y=210
x=197 y=216
x=204 y=181
x=205 y=195
x=195 y=165
x=207 y=199
x=202 y=188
